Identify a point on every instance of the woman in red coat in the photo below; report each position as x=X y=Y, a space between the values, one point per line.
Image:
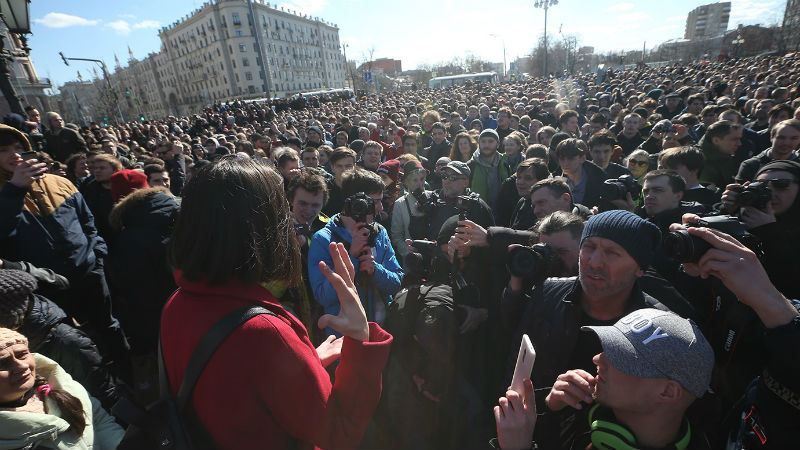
x=265 y=387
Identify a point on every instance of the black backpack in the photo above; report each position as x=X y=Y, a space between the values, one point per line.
x=169 y=423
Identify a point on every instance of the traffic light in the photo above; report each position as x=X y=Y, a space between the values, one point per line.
x=64 y=58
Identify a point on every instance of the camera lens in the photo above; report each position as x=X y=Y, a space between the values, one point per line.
x=523 y=261
x=613 y=190
x=683 y=247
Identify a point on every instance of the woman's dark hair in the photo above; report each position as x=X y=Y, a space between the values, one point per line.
x=235 y=224
x=70 y=408
x=72 y=162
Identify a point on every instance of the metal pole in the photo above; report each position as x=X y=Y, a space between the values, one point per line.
x=257 y=32
x=112 y=90
x=545 y=37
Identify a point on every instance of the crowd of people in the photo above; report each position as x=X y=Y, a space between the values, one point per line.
x=640 y=226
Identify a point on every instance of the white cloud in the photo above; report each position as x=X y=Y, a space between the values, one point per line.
x=124 y=27
x=127 y=16
x=61 y=20
x=120 y=26
x=146 y=24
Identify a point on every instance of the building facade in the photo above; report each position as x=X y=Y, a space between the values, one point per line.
x=231 y=49
x=708 y=21
x=790 y=37
x=29 y=87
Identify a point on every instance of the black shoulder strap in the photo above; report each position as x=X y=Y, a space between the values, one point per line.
x=202 y=354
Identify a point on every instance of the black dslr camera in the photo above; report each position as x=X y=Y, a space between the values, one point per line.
x=685 y=248
x=358 y=206
x=618 y=188
x=419 y=263
x=533 y=264
x=466 y=203
x=756 y=194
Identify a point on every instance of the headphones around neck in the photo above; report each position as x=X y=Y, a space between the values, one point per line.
x=609 y=435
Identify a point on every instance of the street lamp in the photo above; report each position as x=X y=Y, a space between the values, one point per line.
x=545 y=4
x=16 y=17
x=738 y=42
x=503 y=41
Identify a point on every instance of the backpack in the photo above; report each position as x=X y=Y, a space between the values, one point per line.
x=169 y=424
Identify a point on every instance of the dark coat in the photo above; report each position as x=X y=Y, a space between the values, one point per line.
x=64 y=144
x=506 y=202
x=595 y=176
x=100 y=203
x=137 y=265
x=49 y=333
x=49 y=225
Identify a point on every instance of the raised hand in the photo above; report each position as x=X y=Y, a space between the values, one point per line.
x=351 y=320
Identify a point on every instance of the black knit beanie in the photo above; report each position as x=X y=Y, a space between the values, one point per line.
x=16 y=289
x=637 y=236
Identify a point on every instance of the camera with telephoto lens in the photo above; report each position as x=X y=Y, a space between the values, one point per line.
x=756 y=194
x=358 y=207
x=685 y=248
x=618 y=188
x=534 y=263
x=466 y=203
x=418 y=263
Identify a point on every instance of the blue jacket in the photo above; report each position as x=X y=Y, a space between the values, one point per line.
x=49 y=225
x=374 y=291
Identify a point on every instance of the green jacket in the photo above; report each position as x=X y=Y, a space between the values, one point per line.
x=479 y=177
x=23 y=429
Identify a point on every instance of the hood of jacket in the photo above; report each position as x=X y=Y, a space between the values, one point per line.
x=43 y=315
x=488 y=164
x=145 y=208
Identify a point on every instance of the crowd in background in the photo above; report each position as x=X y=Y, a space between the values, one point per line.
x=641 y=226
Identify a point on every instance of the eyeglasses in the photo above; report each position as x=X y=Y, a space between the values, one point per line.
x=453 y=177
x=780 y=184
x=639 y=163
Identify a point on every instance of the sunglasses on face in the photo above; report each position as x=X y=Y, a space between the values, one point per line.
x=780 y=184
x=453 y=177
x=639 y=163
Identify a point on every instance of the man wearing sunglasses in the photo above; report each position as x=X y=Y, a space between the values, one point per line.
x=455 y=183
x=778 y=224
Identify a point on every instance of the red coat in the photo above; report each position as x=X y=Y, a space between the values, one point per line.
x=265 y=385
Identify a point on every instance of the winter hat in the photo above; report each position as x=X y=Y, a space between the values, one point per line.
x=125 y=181
x=10 y=337
x=16 y=288
x=16 y=135
x=357 y=145
x=391 y=169
x=489 y=133
x=637 y=236
x=411 y=166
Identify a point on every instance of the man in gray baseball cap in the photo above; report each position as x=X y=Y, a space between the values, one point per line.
x=653 y=366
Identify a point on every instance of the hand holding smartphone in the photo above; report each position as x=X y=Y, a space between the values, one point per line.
x=525 y=359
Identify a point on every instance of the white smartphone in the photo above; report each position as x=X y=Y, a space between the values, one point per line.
x=525 y=359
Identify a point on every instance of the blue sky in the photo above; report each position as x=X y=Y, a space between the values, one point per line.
x=415 y=31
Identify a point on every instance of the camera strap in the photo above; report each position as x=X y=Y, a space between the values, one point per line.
x=736 y=319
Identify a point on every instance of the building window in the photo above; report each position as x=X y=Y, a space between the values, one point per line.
x=236 y=19
x=245 y=62
x=238 y=33
x=248 y=76
x=242 y=48
x=251 y=89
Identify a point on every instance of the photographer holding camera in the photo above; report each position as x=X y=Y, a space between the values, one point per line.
x=615 y=249
x=767 y=415
x=455 y=198
x=770 y=209
x=378 y=274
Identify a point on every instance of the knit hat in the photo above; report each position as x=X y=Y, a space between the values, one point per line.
x=637 y=236
x=125 y=181
x=357 y=145
x=391 y=169
x=10 y=337
x=411 y=166
x=792 y=167
x=16 y=288
x=490 y=133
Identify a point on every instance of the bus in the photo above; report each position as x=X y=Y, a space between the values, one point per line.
x=458 y=80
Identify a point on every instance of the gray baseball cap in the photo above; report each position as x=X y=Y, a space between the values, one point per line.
x=650 y=343
x=459 y=167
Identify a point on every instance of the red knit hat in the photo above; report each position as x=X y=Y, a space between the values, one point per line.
x=391 y=169
x=126 y=181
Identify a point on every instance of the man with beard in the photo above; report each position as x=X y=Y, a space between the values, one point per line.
x=616 y=247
